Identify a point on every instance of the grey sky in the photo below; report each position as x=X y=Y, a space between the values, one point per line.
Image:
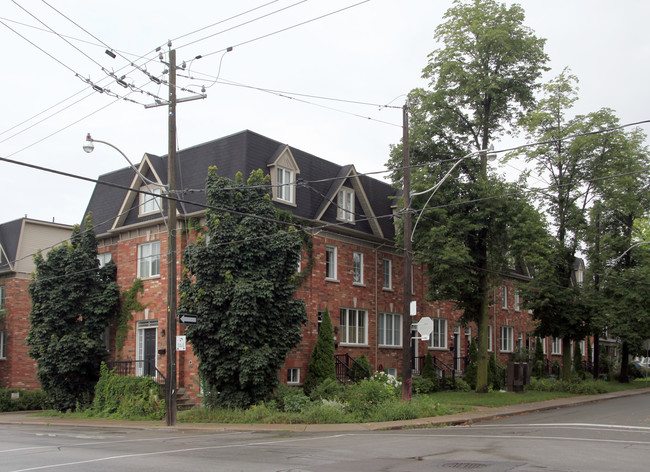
x=372 y=52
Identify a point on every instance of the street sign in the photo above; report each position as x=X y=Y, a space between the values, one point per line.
x=181 y=342
x=425 y=326
x=187 y=318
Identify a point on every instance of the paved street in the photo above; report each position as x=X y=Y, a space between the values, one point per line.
x=604 y=436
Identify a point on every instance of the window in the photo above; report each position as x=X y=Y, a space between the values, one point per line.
x=150 y=203
x=516 y=299
x=438 y=339
x=330 y=262
x=556 y=346
x=520 y=341
x=391 y=371
x=286 y=185
x=390 y=329
x=3 y=344
x=490 y=338
x=104 y=258
x=504 y=296
x=149 y=259
x=507 y=334
x=3 y=295
x=357 y=265
x=346 y=205
x=388 y=274
x=293 y=375
x=353 y=326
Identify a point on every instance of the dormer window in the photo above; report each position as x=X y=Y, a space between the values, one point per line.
x=150 y=203
x=346 y=205
x=285 y=185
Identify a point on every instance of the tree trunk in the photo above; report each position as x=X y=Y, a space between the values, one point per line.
x=483 y=322
x=596 y=355
x=566 y=359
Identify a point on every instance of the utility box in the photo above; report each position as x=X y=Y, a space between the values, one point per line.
x=518 y=376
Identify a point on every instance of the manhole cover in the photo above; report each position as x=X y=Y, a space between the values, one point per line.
x=465 y=465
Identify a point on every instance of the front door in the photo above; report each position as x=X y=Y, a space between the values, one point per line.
x=150 y=351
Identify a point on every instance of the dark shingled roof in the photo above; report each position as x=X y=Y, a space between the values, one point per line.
x=244 y=152
x=9 y=238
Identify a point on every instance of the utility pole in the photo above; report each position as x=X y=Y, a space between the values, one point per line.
x=406 y=234
x=170 y=397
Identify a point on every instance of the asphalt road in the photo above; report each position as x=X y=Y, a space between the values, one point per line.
x=612 y=435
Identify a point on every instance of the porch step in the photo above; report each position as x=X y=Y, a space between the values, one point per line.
x=184 y=401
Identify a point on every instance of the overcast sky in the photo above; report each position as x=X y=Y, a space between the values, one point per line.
x=371 y=52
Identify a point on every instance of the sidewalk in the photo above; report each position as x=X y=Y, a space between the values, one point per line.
x=467 y=417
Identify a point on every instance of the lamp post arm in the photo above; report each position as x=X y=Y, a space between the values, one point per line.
x=135 y=169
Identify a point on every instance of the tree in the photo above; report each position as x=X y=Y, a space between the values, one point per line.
x=73 y=301
x=321 y=362
x=482 y=79
x=240 y=283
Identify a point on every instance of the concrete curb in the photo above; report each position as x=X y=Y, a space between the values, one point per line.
x=467 y=417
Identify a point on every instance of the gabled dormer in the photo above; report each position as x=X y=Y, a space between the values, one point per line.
x=147 y=204
x=284 y=172
x=345 y=192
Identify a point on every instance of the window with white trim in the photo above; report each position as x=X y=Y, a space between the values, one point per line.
x=104 y=258
x=354 y=326
x=438 y=338
x=330 y=262
x=357 y=267
x=286 y=185
x=517 y=307
x=390 y=329
x=506 y=335
x=3 y=344
x=293 y=375
x=150 y=203
x=504 y=296
x=346 y=205
x=556 y=346
x=490 y=338
x=149 y=259
x=543 y=340
x=391 y=371
x=387 y=266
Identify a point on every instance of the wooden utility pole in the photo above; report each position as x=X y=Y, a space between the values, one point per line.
x=406 y=234
x=170 y=396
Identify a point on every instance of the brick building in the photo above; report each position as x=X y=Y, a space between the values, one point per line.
x=354 y=270
x=19 y=241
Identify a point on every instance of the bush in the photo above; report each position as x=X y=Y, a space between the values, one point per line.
x=360 y=369
x=423 y=385
x=462 y=386
x=125 y=397
x=329 y=389
x=365 y=396
x=587 y=387
x=321 y=361
x=27 y=400
x=326 y=412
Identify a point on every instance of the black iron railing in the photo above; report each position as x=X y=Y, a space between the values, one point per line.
x=349 y=369
x=135 y=368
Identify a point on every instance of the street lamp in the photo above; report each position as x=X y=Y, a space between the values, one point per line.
x=170 y=381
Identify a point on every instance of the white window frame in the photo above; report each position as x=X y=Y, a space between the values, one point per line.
x=438 y=337
x=285 y=185
x=556 y=346
x=517 y=304
x=3 y=344
x=490 y=338
x=148 y=203
x=543 y=340
x=293 y=375
x=331 y=255
x=148 y=259
x=141 y=326
x=504 y=297
x=357 y=268
x=387 y=282
x=345 y=203
x=391 y=371
x=354 y=327
x=390 y=326
x=104 y=258
x=506 y=338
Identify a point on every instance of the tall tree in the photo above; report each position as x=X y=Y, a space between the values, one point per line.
x=321 y=363
x=73 y=301
x=482 y=79
x=240 y=282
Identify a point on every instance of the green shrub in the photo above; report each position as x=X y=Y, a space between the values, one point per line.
x=27 y=400
x=462 y=386
x=321 y=362
x=423 y=385
x=360 y=369
x=326 y=412
x=127 y=397
x=328 y=389
x=538 y=363
x=587 y=387
x=297 y=402
x=366 y=395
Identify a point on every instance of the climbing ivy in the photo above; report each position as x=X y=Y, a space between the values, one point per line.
x=130 y=304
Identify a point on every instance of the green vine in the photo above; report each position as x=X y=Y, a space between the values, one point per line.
x=308 y=242
x=130 y=304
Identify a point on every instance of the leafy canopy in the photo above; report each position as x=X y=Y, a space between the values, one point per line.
x=240 y=282
x=73 y=301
